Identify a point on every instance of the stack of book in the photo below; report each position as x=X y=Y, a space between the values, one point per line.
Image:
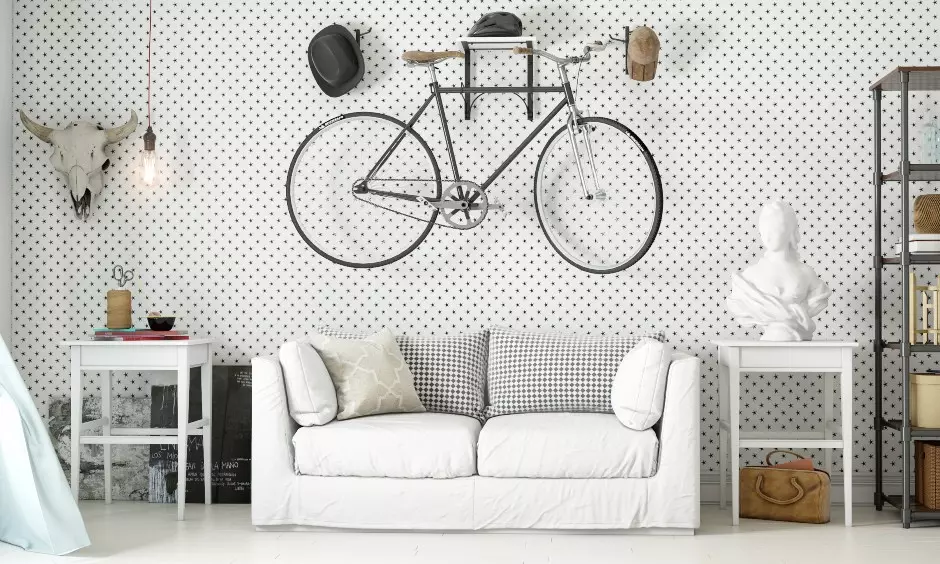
x=921 y=243
x=132 y=334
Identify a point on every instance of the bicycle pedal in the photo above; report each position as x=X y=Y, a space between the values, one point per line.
x=495 y=206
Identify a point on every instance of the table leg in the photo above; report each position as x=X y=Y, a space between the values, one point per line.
x=76 y=417
x=723 y=420
x=848 y=410
x=106 y=431
x=828 y=419
x=734 y=412
x=724 y=450
x=182 y=421
x=205 y=378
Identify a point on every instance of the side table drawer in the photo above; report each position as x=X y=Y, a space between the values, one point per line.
x=809 y=358
x=129 y=356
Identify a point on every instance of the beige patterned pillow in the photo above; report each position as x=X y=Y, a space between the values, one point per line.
x=370 y=375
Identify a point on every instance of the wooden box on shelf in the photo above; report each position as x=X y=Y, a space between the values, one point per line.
x=925 y=400
x=927 y=472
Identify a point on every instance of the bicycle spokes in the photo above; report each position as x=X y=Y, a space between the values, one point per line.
x=345 y=215
x=613 y=227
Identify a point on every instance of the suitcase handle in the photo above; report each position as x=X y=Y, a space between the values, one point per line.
x=781 y=451
x=765 y=497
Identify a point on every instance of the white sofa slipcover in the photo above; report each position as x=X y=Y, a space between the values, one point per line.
x=394 y=445
x=565 y=445
x=284 y=498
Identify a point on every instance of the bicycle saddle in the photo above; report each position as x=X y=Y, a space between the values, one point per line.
x=429 y=57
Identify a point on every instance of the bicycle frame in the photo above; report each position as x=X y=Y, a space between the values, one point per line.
x=436 y=92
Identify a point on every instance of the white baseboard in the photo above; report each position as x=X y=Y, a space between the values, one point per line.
x=863 y=488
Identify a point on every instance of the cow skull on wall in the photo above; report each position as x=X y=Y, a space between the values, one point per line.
x=78 y=153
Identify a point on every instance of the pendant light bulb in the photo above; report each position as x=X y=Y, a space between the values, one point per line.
x=148 y=159
x=147 y=162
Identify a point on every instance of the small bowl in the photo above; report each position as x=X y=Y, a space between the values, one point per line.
x=161 y=323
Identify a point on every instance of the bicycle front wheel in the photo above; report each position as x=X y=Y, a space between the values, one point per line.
x=608 y=222
x=350 y=226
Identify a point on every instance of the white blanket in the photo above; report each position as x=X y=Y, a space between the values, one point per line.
x=38 y=512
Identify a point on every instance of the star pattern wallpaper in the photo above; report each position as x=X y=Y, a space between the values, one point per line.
x=752 y=101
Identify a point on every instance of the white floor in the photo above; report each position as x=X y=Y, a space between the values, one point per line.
x=142 y=532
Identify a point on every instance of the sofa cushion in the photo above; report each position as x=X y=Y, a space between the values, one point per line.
x=639 y=389
x=539 y=372
x=449 y=371
x=370 y=375
x=400 y=445
x=565 y=445
x=310 y=392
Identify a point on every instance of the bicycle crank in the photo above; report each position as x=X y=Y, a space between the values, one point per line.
x=463 y=204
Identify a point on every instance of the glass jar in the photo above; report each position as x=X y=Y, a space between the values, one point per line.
x=930 y=142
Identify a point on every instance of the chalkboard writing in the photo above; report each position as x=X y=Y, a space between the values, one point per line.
x=231 y=439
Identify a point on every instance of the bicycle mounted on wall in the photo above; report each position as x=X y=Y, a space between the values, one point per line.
x=364 y=189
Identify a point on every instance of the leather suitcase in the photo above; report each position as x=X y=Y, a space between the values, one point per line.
x=785 y=494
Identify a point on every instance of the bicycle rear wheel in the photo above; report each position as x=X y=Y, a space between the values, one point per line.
x=609 y=232
x=351 y=228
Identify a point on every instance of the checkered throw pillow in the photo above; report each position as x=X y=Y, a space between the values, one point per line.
x=450 y=372
x=538 y=372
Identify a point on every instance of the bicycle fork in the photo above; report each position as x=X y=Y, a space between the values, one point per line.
x=574 y=130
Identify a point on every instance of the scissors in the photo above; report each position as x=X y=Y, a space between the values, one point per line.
x=121 y=275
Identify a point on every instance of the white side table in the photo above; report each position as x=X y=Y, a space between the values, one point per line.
x=141 y=356
x=736 y=357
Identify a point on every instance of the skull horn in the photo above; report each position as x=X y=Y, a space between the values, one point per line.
x=116 y=134
x=39 y=130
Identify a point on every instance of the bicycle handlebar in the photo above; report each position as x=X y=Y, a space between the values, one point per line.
x=586 y=56
x=540 y=53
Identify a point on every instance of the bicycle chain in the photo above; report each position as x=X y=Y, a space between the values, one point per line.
x=443 y=180
x=403 y=213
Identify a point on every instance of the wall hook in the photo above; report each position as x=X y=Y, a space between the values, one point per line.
x=360 y=35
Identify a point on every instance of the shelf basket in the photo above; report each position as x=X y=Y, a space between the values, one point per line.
x=927 y=472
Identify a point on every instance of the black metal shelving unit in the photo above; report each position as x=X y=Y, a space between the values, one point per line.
x=903 y=80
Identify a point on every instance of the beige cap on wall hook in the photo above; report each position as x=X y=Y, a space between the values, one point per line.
x=642 y=54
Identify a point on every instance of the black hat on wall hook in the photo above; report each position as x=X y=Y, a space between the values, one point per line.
x=336 y=59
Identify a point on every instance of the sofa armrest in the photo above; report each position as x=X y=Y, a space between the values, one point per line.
x=676 y=485
x=272 y=457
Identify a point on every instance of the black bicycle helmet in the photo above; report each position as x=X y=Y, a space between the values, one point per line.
x=497 y=24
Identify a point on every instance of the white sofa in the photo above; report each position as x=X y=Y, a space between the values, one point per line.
x=434 y=471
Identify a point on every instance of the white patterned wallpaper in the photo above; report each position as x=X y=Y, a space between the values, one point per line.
x=6 y=173
x=751 y=102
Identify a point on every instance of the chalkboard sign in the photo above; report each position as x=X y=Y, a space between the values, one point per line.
x=231 y=439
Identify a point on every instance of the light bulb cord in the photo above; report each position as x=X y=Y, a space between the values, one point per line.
x=149 y=66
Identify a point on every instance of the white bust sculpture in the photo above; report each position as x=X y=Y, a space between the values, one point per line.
x=778 y=292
